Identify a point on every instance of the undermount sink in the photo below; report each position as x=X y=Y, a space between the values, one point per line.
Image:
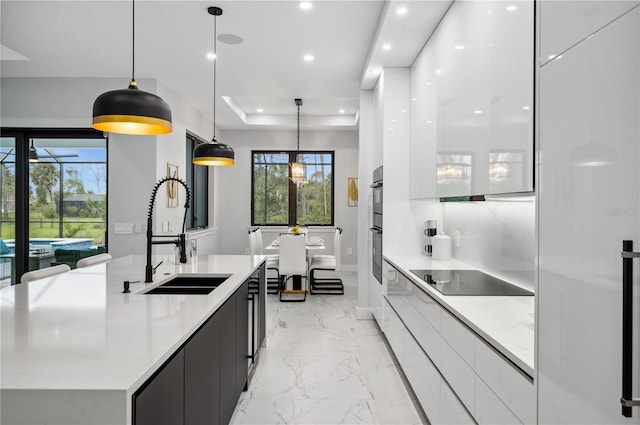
x=188 y=285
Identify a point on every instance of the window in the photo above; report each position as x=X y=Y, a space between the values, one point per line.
x=54 y=196
x=198 y=181
x=276 y=200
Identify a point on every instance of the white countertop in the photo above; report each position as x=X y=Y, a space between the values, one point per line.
x=507 y=323
x=78 y=331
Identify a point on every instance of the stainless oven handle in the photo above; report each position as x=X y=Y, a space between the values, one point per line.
x=627 y=399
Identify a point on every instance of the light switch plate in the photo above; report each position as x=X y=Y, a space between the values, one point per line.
x=123 y=228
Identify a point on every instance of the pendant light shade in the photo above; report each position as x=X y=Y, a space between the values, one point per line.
x=298 y=169
x=131 y=110
x=214 y=153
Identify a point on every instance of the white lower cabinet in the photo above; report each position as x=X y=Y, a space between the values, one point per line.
x=437 y=399
x=456 y=376
x=459 y=375
x=489 y=408
x=509 y=384
x=423 y=377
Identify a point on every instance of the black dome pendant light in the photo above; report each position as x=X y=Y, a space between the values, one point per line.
x=131 y=110
x=214 y=153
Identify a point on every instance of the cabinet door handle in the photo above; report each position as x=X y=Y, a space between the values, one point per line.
x=627 y=399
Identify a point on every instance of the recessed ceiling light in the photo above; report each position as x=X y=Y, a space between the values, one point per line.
x=259 y=110
x=526 y=108
x=308 y=58
x=386 y=46
x=477 y=111
x=429 y=83
x=342 y=111
x=511 y=8
x=306 y=5
x=459 y=47
x=211 y=56
x=401 y=11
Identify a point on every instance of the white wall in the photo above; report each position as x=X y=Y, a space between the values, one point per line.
x=233 y=184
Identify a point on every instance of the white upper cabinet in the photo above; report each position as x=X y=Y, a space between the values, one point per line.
x=566 y=23
x=473 y=91
x=422 y=160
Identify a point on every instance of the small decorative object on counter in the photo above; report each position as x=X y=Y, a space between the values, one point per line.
x=441 y=247
x=430 y=230
x=296 y=229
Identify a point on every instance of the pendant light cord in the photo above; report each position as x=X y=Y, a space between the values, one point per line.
x=298 y=150
x=133 y=40
x=215 y=62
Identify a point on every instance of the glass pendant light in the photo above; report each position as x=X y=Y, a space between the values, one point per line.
x=298 y=171
x=213 y=152
x=131 y=110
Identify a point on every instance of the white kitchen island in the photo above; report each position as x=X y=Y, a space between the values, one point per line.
x=75 y=348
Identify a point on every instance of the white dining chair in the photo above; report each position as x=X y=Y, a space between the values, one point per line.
x=46 y=272
x=94 y=259
x=293 y=262
x=327 y=285
x=272 y=260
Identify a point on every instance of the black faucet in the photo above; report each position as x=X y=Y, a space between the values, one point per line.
x=180 y=239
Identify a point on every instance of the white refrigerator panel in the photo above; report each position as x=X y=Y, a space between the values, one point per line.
x=568 y=22
x=589 y=202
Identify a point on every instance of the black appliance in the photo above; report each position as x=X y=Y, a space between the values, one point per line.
x=468 y=282
x=376 y=225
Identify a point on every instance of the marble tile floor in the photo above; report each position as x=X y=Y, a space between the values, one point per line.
x=323 y=366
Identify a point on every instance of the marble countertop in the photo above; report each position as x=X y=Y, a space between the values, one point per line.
x=78 y=331
x=507 y=323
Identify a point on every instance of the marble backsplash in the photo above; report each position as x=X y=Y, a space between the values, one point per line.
x=497 y=236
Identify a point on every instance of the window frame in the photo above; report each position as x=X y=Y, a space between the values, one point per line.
x=293 y=188
x=194 y=223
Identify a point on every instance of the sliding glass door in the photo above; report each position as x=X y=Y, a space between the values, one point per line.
x=56 y=213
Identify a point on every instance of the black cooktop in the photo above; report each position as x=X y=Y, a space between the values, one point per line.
x=468 y=282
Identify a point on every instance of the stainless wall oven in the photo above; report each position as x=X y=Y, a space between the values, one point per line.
x=376 y=225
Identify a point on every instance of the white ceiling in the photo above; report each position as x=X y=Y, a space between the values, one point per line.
x=92 y=38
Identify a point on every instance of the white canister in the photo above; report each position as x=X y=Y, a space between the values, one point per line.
x=441 y=247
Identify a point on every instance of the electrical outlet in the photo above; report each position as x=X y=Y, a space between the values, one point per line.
x=456 y=239
x=349 y=251
x=246 y=251
x=137 y=228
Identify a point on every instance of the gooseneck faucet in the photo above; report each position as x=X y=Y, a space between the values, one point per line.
x=180 y=239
